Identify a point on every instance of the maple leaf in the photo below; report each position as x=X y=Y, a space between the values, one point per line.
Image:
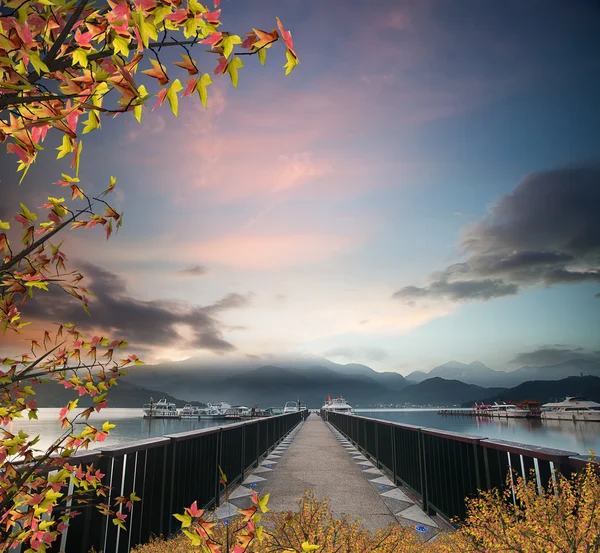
x=187 y=64
x=158 y=71
x=212 y=39
x=287 y=38
x=248 y=513
x=232 y=69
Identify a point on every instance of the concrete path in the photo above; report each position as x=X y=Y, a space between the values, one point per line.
x=316 y=460
x=316 y=456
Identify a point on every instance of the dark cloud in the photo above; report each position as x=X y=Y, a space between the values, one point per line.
x=546 y=232
x=459 y=290
x=138 y=321
x=196 y=271
x=555 y=354
x=358 y=354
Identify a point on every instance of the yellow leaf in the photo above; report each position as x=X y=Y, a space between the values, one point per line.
x=92 y=122
x=186 y=520
x=291 y=63
x=262 y=55
x=38 y=64
x=175 y=87
x=4 y=225
x=201 y=85
x=107 y=427
x=194 y=538
x=121 y=45
x=228 y=42
x=66 y=148
x=80 y=57
x=306 y=547
x=232 y=69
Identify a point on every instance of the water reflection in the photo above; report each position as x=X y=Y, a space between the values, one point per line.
x=579 y=437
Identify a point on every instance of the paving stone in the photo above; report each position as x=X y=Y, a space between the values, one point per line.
x=267 y=463
x=396 y=493
x=372 y=470
x=226 y=510
x=383 y=480
x=427 y=533
x=395 y=505
x=364 y=464
x=252 y=479
x=416 y=514
x=259 y=470
x=240 y=491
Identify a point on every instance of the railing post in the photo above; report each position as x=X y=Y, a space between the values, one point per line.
x=377 y=464
x=423 y=471
x=243 y=453
x=394 y=454
x=218 y=466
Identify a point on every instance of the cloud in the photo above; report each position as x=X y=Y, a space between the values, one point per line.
x=358 y=354
x=268 y=251
x=555 y=354
x=547 y=232
x=195 y=271
x=148 y=323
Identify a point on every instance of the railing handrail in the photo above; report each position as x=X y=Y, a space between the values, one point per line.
x=494 y=443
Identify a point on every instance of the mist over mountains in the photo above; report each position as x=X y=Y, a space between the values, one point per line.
x=312 y=379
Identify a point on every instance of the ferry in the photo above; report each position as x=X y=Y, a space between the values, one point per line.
x=190 y=412
x=573 y=408
x=162 y=409
x=214 y=411
x=337 y=404
x=508 y=410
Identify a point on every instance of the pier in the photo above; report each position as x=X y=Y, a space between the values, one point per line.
x=377 y=471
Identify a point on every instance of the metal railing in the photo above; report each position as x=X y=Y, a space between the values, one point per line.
x=444 y=468
x=169 y=474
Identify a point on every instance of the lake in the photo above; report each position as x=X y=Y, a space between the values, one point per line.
x=579 y=437
x=130 y=426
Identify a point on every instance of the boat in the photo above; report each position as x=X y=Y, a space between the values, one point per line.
x=337 y=404
x=508 y=410
x=238 y=412
x=573 y=408
x=190 y=412
x=291 y=407
x=214 y=411
x=162 y=409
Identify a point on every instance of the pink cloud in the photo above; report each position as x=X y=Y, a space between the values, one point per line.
x=267 y=251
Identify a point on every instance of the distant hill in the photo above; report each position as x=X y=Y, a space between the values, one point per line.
x=441 y=392
x=125 y=394
x=477 y=373
x=473 y=373
x=549 y=390
x=270 y=384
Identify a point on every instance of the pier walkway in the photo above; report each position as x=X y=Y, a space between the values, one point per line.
x=316 y=456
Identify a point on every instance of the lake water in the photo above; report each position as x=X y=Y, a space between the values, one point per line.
x=130 y=426
x=580 y=437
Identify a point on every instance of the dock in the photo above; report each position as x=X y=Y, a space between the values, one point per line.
x=376 y=471
x=319 y=458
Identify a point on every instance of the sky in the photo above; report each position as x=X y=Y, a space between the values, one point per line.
x=424 y=187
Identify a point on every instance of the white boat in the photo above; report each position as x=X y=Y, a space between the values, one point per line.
x=291 y=407
x=162 y=409
x=337 y=404
x=573 y=409
x=214 y=411
x=508 y=410
x=190 y=412
x=237 y=412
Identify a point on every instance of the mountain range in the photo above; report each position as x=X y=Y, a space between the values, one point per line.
x=477 y=373
x=312 y=379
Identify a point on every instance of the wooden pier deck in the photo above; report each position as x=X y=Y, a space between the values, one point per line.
x=317 y=457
